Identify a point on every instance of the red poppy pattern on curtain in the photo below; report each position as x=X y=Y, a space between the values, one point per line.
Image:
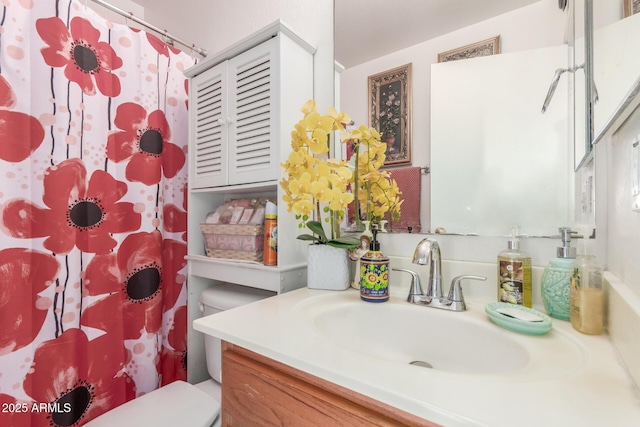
x=93 y=215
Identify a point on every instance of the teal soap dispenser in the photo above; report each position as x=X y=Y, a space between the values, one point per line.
x=557 y=277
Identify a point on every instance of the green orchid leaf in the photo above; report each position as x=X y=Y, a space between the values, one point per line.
x=348 y=240
x=343 y=245
x=308 y=237
x=316 y=228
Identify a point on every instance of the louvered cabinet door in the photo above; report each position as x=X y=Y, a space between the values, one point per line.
x=253 y=146
x=209 y=123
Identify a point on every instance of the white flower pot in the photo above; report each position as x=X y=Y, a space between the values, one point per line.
x=328 y=268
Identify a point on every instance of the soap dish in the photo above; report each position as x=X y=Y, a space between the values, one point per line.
x=517 y=325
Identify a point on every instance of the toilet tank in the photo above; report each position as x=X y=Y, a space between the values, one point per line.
x=220 y=297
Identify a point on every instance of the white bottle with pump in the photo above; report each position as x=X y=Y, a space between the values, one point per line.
x=514 y=273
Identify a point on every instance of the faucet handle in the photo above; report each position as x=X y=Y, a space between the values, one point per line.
x=455 y=291
x=415 y=292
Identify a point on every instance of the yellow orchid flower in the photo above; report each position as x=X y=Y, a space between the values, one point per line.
x=341 y=119
x=366 y=132
x=308 y=107
x=303 y=207
x=300 y=186
x=345 y=173
x=314 y=183
x=376 y=135
x=380 y=210
x=314 y=121
x=354 y=135
x=299 y=137
x=318 y=143
x=296 y=157
x=337 y=183
x=341 y=202
x=320 y=189
x=323 y=169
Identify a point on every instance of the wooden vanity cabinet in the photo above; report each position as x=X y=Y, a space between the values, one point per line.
x=258 y=391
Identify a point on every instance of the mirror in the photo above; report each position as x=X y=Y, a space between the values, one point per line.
x=616 y=69
x=496 y=161
x=520 y=32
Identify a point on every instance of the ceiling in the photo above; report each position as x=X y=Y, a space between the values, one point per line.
x=385 y=26
x=368 y=29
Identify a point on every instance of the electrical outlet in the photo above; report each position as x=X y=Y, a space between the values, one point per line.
x=635 y=174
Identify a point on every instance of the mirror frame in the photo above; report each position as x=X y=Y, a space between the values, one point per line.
x=590 y=94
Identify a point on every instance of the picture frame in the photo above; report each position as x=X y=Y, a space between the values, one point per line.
x=490 y=46
x=631 y=7
x=390 y=112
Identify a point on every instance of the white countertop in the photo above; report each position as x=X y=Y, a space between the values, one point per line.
x=596 y=391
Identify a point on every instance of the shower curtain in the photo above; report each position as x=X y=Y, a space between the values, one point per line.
x=93 y=137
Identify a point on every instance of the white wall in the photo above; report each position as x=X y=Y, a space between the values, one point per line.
x=126 y=5
x=618 y=228
x=622 y=226
x=216 y=24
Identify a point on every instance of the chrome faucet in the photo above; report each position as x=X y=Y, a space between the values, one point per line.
x=428 y=252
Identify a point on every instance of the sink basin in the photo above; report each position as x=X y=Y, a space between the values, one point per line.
x=408 y=334
x=453 y=342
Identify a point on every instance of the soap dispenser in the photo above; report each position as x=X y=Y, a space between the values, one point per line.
x=556 y=278
x=514 y=273
x=356 y=254
x=586 y=295
x=374 y=272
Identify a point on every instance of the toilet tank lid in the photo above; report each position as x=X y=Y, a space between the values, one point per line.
x=175 y=404
x=226 y=296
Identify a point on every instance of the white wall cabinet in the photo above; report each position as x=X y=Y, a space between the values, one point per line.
x=243 y=105
x=232 y=124
x=237 y=112
x=208 y=139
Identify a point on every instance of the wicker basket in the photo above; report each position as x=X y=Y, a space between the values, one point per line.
x=235 y=242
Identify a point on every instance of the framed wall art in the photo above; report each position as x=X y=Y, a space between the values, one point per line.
x=482 y=48
x=631 y=7
x=390 y=112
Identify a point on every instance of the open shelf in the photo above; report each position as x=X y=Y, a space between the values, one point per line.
x=271 y=278
x=254 y=187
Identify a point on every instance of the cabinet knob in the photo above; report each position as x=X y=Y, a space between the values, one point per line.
x=220 y=122
x=229 y=120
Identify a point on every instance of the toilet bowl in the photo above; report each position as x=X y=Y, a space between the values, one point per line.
x=181 y=403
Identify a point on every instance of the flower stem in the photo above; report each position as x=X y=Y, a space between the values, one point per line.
x=335 y=226
x=356 y=201
x=318 y=215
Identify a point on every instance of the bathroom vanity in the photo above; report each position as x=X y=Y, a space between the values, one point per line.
x=261 y=391
x=310 y=357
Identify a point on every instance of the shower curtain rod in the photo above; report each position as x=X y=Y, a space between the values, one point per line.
x=131 y=16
